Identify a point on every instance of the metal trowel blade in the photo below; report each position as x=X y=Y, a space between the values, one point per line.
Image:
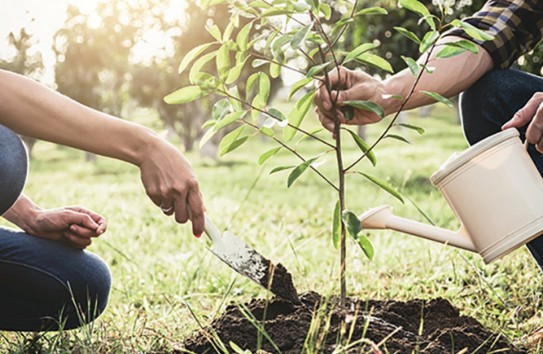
x=248 y=262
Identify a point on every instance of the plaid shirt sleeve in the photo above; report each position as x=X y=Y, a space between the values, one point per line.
x=515 y=24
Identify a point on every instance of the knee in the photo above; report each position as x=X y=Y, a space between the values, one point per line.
x=481 y=106
x=89 y=291
x=14 y=162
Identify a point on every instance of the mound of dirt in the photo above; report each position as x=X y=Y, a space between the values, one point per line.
x=321 y=326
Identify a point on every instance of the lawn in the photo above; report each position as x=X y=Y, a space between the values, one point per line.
x=166 y=283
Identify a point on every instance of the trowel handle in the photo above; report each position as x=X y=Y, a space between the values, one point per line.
x=211 y=230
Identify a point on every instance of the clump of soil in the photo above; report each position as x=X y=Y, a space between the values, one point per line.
x=281 y=282
x=319 y=325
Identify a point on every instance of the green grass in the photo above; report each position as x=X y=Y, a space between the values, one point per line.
x=161 y=272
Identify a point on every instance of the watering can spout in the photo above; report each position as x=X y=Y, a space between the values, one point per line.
x=383 y=218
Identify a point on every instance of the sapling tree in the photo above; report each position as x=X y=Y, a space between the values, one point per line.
x=274 y=32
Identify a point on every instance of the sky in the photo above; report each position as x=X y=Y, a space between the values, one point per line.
x=42 y=18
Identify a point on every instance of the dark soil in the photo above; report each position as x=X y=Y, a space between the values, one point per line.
x=281 y=282
x=416 y=326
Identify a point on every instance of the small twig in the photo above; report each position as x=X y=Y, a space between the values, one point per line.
x=296 y=153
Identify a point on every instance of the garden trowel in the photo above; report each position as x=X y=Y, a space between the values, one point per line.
x=248 y=262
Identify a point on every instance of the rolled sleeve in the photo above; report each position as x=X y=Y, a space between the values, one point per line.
x=514 y=24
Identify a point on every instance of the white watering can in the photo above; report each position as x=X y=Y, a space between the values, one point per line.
x=495 y=191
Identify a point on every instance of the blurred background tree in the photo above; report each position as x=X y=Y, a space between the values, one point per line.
x=26 y=60
x=102 y=60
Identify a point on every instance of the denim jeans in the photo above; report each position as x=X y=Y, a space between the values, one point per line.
x=492 y=101
x=44 y=284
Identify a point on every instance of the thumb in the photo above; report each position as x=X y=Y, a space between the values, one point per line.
x=519 y=120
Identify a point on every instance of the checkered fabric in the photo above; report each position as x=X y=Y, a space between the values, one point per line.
x=516 y=25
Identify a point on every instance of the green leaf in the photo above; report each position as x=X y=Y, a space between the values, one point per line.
x=372 y=11
x=297 y=115
x=406 y=33
x=250 y=83
x=366 y=246
x=275 y=70
x=450 y=51
x=229 y=119
x=185 y=95
x=412 y=127
x=298 y=170
x=242 y=39
x=228 y=30
x=366 y=106
x=376 y=61
x=191 y=55
x=215 y=32
x=336 y=226
x=258 y=63
x=364 y=147
x=266 y=131
x=298 y=85
x=277 y=114
x=348 y=112
x=415 y=6
x=234 y=74
x=326 y=11
x=196 y=68
x=412 y=65
x=398 y=137
x=473 y=31
x=300 y=36
x=223 y=62
x=259 y=4
x=454 y=48
x=220 y=109
x=208 y=123
x=266 y=155
x=278 y=44
x=207 y=136
x=232 y=141
x=235 y=100
x=317 y=69
x=383 y=185
x=429 y=39
x=281 y=168
x=264 y=87
x=358 y=51
x=436 y=96
x=352 y=223
x=277 y=11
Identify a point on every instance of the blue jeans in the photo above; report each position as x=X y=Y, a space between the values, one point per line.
x=492 y=101
x=44 y=285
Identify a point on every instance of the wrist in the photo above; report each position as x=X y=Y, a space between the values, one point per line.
x=143 y=142
x=24 y=213
x=391 y=96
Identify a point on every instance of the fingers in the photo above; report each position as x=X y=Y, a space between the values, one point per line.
x=76 y=240
x=97 y=218
x=196 y=206
x=531 y=114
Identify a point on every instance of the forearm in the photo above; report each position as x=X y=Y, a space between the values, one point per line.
x=32 y=109
x=21 y=212
x=450 y=77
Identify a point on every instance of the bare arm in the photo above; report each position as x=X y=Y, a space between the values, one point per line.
x=450 y=77
x=32 y=109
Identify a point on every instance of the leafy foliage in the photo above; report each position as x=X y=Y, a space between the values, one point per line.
x=321 y=37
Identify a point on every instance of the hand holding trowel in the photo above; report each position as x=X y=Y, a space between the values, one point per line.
x=248 y=262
